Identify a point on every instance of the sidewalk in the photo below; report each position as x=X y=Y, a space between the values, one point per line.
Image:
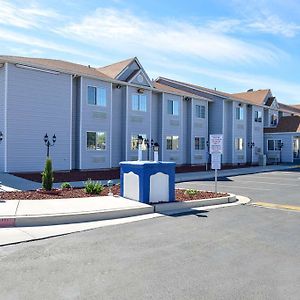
x=10 y=182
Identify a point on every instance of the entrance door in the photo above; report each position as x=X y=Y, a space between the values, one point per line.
x=296 y=148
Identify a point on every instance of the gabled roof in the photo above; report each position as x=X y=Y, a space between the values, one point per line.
x=289 y=108
x=286 y=124
x=296 y=105
x=255 y=97
x=54 y=64
x=167 y=89
x=116 y=69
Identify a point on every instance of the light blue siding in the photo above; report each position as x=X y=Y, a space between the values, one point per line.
x=227 y=132
x=2 y=113
x=38 y=103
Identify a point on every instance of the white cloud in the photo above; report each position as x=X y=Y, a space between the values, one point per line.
x=24 y=17
x=111 y=28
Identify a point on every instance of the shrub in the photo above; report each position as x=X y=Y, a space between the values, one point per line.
x=93 y=187
x=191 y=192
x=47 y=176
x=66 y=185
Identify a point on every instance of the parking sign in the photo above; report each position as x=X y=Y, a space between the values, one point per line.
x=216 y=143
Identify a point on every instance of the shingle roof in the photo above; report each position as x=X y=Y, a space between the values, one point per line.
x=289 y=108
x=169 y=89
x=57 y=65
x=255 y=97
x=286 y=124
x=115 y=69
x=296 y=105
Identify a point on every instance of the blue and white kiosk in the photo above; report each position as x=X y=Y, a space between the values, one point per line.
x=148 y=181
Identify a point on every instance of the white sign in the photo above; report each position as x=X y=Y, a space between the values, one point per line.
x=216 y=161
x=216 y=143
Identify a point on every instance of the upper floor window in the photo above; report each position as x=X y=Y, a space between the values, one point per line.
x=172 y=142
x=96 y=140
x=173 y=107
x=239 y=113
x=200 y=111
x=199 y=143
x=239 y=144
x=258 y=116
x=274 y=119
x=274 y=145
x=139 y=102
x=97 y=96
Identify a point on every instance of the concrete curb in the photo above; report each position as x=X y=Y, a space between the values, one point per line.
x=187 y=205
x=57 y=219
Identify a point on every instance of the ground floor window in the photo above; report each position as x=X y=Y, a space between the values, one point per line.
x=274 y=145
x=135 y=141
x=199 y=143
x=96 y=140
x=239 y=144
x=172 y=142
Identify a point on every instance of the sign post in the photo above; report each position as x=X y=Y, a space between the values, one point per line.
x=216 y=151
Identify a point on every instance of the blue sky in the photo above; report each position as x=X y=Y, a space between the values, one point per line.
x=230 y=45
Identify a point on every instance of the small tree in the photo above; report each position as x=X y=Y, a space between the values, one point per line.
x=47 y=176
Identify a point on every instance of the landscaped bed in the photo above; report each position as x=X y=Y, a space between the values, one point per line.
x=181 y=194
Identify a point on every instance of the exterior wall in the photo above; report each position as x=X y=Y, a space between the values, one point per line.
x=94 y=118
x=186 y=136
x=118 y=125
x=199 y=127
x=138 y=122
x=156 y=117
x=38 y=103
x=267 y=116
x=257 y=134
x=227 y=132
x=239 y=130
x=287 y=149
x=172 y=126
x=2 y=117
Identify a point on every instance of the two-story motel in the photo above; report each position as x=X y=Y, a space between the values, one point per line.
x=98 y=113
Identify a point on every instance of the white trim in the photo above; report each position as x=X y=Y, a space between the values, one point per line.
x=192 y=131
x=110 y=129
x=141 y=67
x=270 y=139
x=150 y=121
x=181 y=149
x=96 y=87
x=80 y=122
x=96 y=150
x=37 y=69
x=163 y=127
x=71 y=122
x=126 y=124
x=143 y=73
x=5 y=115
x=283 y=133
x=233 y=132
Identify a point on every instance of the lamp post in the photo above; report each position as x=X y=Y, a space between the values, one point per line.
x=1 y=136
x=280 y=148
x=155 y=151
x=251 y=145
x=148 y=145
x=207 y=155
x=48 y=143
x=140 y=142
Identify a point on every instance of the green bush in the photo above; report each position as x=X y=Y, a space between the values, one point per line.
x=66 y=185
x=47 y=176
x=93 y=187
x=191 y=192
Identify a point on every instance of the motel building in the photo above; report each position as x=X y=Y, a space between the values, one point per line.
x=97 y=114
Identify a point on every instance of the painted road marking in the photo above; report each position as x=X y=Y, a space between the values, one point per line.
x=277 y=206
x=265 y=182
x=227 y=186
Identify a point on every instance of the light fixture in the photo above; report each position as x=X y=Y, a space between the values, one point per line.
x=48 y=144
x=141 y=91
x=118 y=86
x=187 y=98
x=1 y=136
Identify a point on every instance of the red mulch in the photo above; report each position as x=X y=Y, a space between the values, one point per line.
x=80 y=193
x=76 y=175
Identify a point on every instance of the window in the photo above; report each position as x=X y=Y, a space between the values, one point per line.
x=199 y=143
x=139 y=102
x=172 y=142
x=173 y=107
x=274 y=119
x=258 y=116
x=274 y=145
x=97 y=96
x=135 y=142
x=239 y=112
x=96 y=141
x=200 y=111
x=239 y=144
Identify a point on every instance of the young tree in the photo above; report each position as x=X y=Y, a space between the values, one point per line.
x=47 y=176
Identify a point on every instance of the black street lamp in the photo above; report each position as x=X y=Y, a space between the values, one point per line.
x=207 y=155
x=1 y=136
x=251 y=145
x=155 y=150
x=48 y=143
x=140 y=142
x=148 y=145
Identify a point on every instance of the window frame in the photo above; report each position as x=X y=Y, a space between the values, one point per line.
x=172 y=142
x=275 y=145
x=272 y=120
x=172 y=113
x=239 y=113
x=201 y=139
x=201 y=110
x=258 y=118
x=139 y=102
x=137 y=145
x=239 y=144
x=96 y=132
x=97 y=88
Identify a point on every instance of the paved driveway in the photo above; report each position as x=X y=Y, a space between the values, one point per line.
x=280 y=187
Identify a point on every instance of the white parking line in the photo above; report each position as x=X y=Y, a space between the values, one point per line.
x=265 y=182
x=228 y=186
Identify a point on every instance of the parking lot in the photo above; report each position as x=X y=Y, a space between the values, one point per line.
x=279 y=187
